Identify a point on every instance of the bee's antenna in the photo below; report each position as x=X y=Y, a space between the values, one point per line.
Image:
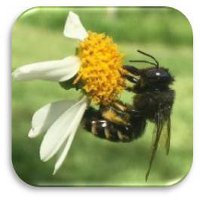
x=146 y=54
x=143 y=61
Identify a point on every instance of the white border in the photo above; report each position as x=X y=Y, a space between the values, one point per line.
x=12 y=188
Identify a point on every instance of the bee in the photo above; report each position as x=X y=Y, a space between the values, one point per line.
x=153 y=101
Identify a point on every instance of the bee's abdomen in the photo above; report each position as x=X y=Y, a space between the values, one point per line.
x=110 y=131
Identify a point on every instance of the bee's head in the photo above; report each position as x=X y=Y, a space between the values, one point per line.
x=156 y=75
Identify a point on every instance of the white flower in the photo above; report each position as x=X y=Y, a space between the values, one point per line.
x=56 y=70
x=61 y=119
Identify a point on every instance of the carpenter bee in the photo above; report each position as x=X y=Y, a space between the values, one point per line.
x=153 y=101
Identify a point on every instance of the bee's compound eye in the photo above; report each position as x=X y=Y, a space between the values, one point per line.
x=157 y=74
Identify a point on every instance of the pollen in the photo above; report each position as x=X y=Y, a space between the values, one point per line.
x=101 y=71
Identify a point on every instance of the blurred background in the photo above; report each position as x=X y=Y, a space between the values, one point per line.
x=165 y=33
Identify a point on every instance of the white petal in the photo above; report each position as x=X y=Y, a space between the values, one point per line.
x=57 y=70
x=64 y=153
x=61 y=129
x=69 y=141
x=74 y=28
x=45 y=116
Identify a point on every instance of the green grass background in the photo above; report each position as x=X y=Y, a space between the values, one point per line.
x=162 y=32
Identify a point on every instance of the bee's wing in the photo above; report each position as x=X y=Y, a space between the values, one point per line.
x=168 y=136
x=159 y=124
x=165 y=136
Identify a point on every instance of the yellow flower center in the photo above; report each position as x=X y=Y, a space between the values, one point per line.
x=101 y=68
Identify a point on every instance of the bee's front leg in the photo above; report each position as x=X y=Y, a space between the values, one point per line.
x=132 y=70
x=132 y=79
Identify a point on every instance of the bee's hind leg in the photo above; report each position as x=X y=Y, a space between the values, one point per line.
x=104 y=128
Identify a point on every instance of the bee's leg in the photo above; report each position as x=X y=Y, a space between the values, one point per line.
x=115 y=115
x=132 y=70
x=120 y=106
x=104 y=128
x=130 y=122
x=135 y=126
x=126 y=108
x=132 y=79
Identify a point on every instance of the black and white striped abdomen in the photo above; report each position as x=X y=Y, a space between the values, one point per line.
x=110 y=131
